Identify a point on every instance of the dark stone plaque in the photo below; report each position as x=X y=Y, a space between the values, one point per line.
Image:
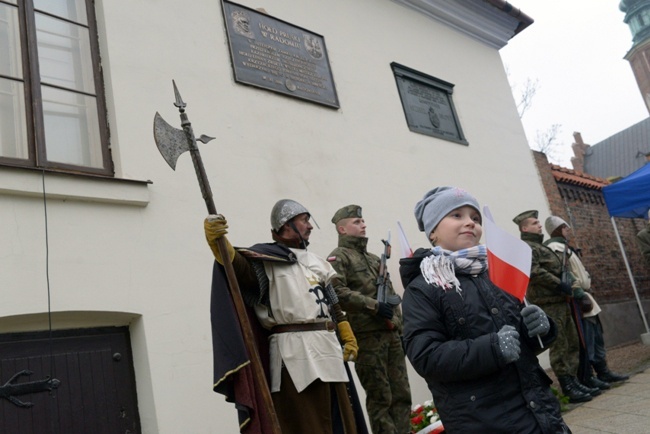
x=275 y=55
x=427 y=104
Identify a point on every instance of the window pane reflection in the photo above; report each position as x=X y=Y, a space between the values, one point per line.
x=72 y=10
x=10 y=60
x=71 y=128
x=64 y=54
x=13 y=126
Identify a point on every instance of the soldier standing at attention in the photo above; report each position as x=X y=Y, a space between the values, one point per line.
x=547 y=290
x=559 y=231
x=380 y=363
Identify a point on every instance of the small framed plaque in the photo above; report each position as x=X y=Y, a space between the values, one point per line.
x=272 y=54
x=427 y=103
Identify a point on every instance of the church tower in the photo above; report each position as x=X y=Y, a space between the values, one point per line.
x=637 y=17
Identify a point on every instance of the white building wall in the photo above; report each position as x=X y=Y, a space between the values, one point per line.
x=140 y=251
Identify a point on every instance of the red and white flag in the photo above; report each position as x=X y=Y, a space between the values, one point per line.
x=509 y=258
x=407 y=252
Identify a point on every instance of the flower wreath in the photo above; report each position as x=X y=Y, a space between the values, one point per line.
x=425 y=419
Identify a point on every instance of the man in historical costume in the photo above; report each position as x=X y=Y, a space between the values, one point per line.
x=547 y=290
x=380 y=364
x=559 y=231
x=290 y=291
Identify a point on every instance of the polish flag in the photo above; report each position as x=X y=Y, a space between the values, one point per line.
x=407 y=252
x=509 y=258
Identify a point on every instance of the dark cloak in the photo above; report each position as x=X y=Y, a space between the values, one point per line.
x=233 y=374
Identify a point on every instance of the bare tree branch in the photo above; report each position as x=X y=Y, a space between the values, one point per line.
x=526 y=96
x=547 y=142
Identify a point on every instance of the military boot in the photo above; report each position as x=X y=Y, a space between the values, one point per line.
x=604 y=374
x=593 y=391
x=595 y=383
x=570 y=390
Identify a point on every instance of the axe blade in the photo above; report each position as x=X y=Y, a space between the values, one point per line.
x=171 y=142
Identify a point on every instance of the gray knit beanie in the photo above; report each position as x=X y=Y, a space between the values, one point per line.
x=439 y=202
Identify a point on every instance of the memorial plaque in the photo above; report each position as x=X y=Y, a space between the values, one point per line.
x=278 y=56
x=427 y=104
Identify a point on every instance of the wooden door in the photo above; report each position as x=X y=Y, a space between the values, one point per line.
x=96 y=393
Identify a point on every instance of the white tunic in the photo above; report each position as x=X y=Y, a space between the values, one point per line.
x=582 y=277
x=296 y=297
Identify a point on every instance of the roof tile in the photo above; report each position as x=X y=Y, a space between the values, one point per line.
x=570 y=176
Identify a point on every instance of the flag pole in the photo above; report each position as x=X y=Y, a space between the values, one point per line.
x=407 y=252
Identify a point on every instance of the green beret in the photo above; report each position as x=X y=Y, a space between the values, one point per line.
x=533 y=213
x=350 y=211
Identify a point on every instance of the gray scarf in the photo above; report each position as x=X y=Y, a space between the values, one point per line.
x=441 y=267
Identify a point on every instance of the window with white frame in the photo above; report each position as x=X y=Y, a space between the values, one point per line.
x=52 y=110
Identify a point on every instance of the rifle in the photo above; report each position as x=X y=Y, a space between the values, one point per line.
x=565 y=272
x=576 y=313
x=383 y=296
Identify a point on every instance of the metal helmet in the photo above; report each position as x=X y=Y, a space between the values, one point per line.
x=283 y=211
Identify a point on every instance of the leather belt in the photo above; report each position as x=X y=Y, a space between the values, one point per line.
x=305 y=327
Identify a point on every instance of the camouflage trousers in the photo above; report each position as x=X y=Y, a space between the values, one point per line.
x=565 y=350
x=381 y=368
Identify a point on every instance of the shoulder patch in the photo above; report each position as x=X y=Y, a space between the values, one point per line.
x=331 y=259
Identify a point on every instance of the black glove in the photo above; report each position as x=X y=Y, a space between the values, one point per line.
x=565 y=289
x=384 y=310
x=586 y=305
x=578 y=293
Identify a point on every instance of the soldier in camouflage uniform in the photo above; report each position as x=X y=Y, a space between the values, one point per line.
x=594 y=353
x=380 y=363
x=547 y=290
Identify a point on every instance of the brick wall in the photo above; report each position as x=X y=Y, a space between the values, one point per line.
x=583 y=207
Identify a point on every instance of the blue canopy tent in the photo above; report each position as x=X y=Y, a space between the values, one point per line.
x=630 y=198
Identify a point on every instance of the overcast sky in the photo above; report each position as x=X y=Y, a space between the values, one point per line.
x=575 y=51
